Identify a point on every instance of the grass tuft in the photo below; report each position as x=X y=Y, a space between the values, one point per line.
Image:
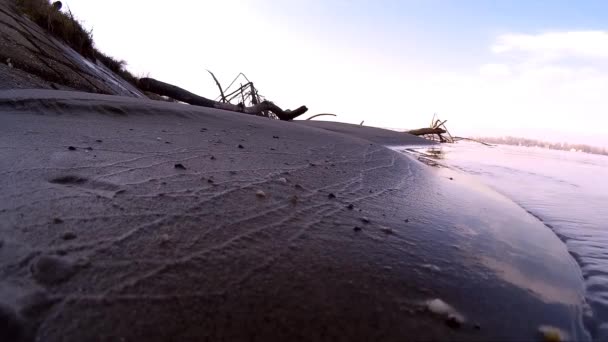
x=64 y=26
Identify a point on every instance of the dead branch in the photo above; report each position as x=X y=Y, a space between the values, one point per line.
x=427 y=130
x=314 y=116
x=166 y=89
x=218 y=85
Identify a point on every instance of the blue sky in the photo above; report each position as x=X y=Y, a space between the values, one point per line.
x=527 y=68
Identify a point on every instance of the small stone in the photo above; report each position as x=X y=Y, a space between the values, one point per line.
x=180 y=166
x=89 y=148
x=453 y=322
x=167 y=142
x=130 y=129
x=232 y=172
x=212 y=157
x=164 y=238
x=260 y=194
x=350 y=206
x=272 y=149
x=451 y=178
x=241 y=146
x=275 y=137
x=99 y=140
x=298 y=186
x=386 y=230
x=365 y=220
x=357 y=228
x=331 y=195
x=57 y=220
x=282 y=180
x=203 y=129
x=552 y=334
x=210 y=181
x=293 y=199
x=49 y=270
x=406 y=220
x=69 y=236
x=158 y=138
x=12 y=328
x=312 y=164
x=71 y=148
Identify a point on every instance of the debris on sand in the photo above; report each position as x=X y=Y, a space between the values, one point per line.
x=350 y=206
x=453 y=319
x=260 y=194
x=293 y=199
x=357 y=228
x=365 y=220
x=71 y=148
x=241 y=146
x=298 y=186
x=179 y=166
x=552 y=334
x=69 y=236
x=50 y=270
x=331 y=195
x=57 y=220
x=99 y=140
x=386 y=230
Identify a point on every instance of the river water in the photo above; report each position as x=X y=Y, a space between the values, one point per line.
x=567 y=191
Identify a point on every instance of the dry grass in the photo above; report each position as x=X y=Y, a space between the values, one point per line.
x=64 y=26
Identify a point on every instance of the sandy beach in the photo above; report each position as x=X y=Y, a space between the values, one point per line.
x=129 y=220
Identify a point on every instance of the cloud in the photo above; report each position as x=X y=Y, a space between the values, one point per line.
x=555 y=45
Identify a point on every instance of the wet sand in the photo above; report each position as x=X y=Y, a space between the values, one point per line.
x=128 y=219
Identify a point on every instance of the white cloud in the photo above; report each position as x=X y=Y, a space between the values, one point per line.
x=555 y=45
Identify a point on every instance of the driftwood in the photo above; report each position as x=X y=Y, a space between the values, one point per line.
x=427 y=130
x=177 y=93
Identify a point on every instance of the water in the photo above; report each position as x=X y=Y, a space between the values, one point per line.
x=567 y=191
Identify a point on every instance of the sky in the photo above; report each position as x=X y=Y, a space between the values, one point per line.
x=535 y=69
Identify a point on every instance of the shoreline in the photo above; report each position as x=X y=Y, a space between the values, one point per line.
x=251 y=243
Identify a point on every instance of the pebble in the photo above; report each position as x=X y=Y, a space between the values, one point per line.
x=69 y=236
x=365 y=220
x=386 y=230
x=57 y=220
x=357 y=229
x=282 y=180
x=49 y=270
x=275 y=137
x=180 y=166
x=71 y=148
x=294 y=199
x=99 y=140
x=351 y=206
x=407 y=220
x=11 y=326
x=552 y=334
x=212 y=157
x=260 y=194
x=331 y=195
x=298 y=186
x=241 y=146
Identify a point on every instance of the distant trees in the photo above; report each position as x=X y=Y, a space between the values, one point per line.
x=537 y=143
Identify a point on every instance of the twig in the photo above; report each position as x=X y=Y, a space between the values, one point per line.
x=314 y=116
x=219 y=86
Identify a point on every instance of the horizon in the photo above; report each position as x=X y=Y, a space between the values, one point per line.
x=533 y=70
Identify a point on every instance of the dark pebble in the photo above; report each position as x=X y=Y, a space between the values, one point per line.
x=212 y=157
x=453 y=322
x=275 y=137
x=351 y=207
x=298 y=186
x=57 y=220
x=11 y=326
x=272 y=149
x=407 y=220
x=71 y=148
x=167 y=142
x=331 y=196
x=99 y=140
x=451 y=178
x=130 y=129
x=203 y=129
x=89 y=148
x=69 y=236
x=210 y=181
x=364 y=220
x=233 y=172
x=49 y=270
x=180 y=166
x=357 y=229
x=241 y=146
x=312 y=164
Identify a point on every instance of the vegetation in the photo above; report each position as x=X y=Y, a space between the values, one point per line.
x=553 y=146
x=64 y=26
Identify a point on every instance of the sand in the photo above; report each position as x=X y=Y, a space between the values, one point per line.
x=132 y=220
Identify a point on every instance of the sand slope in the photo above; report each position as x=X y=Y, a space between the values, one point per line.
x=125 y=219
